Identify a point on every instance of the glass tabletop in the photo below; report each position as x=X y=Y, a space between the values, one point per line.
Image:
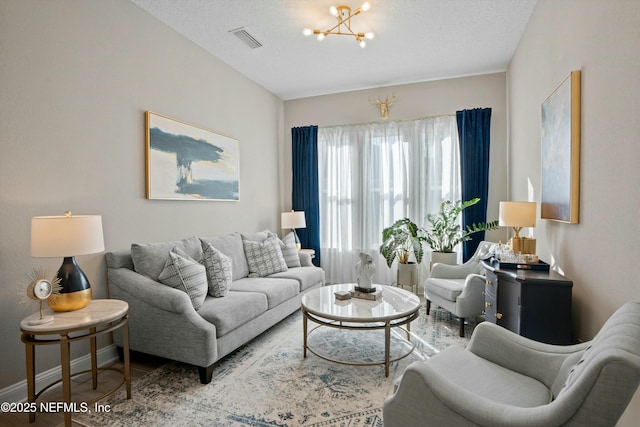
x=395 y=303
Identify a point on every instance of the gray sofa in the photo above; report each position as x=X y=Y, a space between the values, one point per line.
x=163 y=320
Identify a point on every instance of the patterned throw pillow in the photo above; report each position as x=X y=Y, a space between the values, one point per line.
x=182 y=272
x=289 y=251
x=218 y=267
x=264 y=258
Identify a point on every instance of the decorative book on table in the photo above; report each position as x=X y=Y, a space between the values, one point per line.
x=373 y=296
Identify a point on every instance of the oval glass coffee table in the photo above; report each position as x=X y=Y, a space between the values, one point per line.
x=395 y=308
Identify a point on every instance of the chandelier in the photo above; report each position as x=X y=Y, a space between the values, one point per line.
x=343 y=27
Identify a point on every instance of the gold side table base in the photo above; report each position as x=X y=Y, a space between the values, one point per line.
x=98 y=318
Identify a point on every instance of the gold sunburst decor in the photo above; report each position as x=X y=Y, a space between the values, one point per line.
x=39 y=287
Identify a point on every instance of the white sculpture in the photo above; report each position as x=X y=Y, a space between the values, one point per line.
x=365 y=269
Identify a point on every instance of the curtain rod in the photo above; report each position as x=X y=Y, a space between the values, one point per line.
x=391 y=121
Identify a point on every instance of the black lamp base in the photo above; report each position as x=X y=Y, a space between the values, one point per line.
x=76 y=291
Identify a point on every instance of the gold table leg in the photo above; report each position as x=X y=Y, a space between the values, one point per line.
x=65 y=358
x=31 y=377
x=387 y=347
x=125 y=349
x=94 y=359
x=304 y=333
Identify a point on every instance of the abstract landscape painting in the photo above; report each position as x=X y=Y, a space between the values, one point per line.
x=187 y=162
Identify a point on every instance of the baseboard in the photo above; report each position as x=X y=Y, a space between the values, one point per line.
x=18 y=392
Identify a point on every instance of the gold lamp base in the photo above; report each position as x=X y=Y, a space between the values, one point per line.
x=524 y=245
x=70 y=301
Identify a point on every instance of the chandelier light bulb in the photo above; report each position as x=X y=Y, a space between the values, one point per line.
x=333 y=10
x=366 y=6
x=307 y=31
x=321 y=36
x=369 y=36
x=362 y=43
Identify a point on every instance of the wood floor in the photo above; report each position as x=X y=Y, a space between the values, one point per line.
x=82 y=391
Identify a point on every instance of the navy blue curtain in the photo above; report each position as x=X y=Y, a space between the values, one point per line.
x=474 y=134
x=304 y=197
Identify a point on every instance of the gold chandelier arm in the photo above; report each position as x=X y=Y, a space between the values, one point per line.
x=343 y=14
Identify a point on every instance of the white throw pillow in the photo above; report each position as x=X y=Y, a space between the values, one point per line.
x=218 y=268
x=264 y=258
x=290 y=251
x=182 y=272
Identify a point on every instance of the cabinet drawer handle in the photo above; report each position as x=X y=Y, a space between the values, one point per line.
x=489 y=282
x=487 y=304
x=498 y=315
x=484 y=293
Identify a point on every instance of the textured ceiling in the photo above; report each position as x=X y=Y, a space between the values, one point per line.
x=415 y=40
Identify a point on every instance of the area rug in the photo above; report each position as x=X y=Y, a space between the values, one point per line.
x=268 y=382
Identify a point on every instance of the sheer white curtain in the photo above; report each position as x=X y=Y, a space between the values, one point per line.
x=373 y=174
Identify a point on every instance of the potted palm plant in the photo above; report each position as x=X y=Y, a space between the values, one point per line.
x=400 y=241
x=444 y=232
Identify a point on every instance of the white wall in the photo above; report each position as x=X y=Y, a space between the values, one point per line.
x=75 y=80
x=413 y=101
x=600 y=254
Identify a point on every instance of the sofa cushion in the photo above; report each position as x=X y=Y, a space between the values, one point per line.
x=149 y=259
x=290 y=251
x=233 y=311
x=306 y=276
x=218 y=268
x=448 y=289
x=276 y=290
x=186 y=274
x=485 y=378
x=264 y=258
x=231 y=246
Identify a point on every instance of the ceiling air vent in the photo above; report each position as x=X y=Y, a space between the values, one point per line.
x=247 y=38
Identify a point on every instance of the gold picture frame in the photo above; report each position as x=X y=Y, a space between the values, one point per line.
x=188 y=162
x=560 y=152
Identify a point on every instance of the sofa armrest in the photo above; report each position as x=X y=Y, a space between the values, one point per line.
x=514 y=352
x=305 y=259
x=162 y=320
x=141 y=287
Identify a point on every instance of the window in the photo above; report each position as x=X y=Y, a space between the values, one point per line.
x=374 y=174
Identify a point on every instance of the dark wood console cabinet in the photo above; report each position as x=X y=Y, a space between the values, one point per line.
x=534 y=304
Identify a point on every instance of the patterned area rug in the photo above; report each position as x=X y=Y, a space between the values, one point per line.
x=268 y=382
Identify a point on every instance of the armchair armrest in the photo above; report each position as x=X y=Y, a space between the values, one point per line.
x=427 y=397
x=514 y=352
x=446 y=271
x=471 y=301
x=123 y=280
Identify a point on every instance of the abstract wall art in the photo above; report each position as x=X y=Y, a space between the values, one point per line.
x=187 y=162
x=560 y=147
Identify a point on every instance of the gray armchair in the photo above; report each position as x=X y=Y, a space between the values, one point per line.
x=503 y=379
x=458 y=288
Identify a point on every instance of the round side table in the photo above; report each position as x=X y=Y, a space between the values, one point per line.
x=97 y=318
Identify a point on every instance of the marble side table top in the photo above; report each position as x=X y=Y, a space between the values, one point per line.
x=98 y=312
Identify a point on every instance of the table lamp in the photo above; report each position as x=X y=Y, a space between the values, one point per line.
x=67 y=236
x=519 y=215
x=294 y=220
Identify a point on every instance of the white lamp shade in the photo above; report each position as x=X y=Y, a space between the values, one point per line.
x=293 y=220
x=66 y=236
x=517 y=214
